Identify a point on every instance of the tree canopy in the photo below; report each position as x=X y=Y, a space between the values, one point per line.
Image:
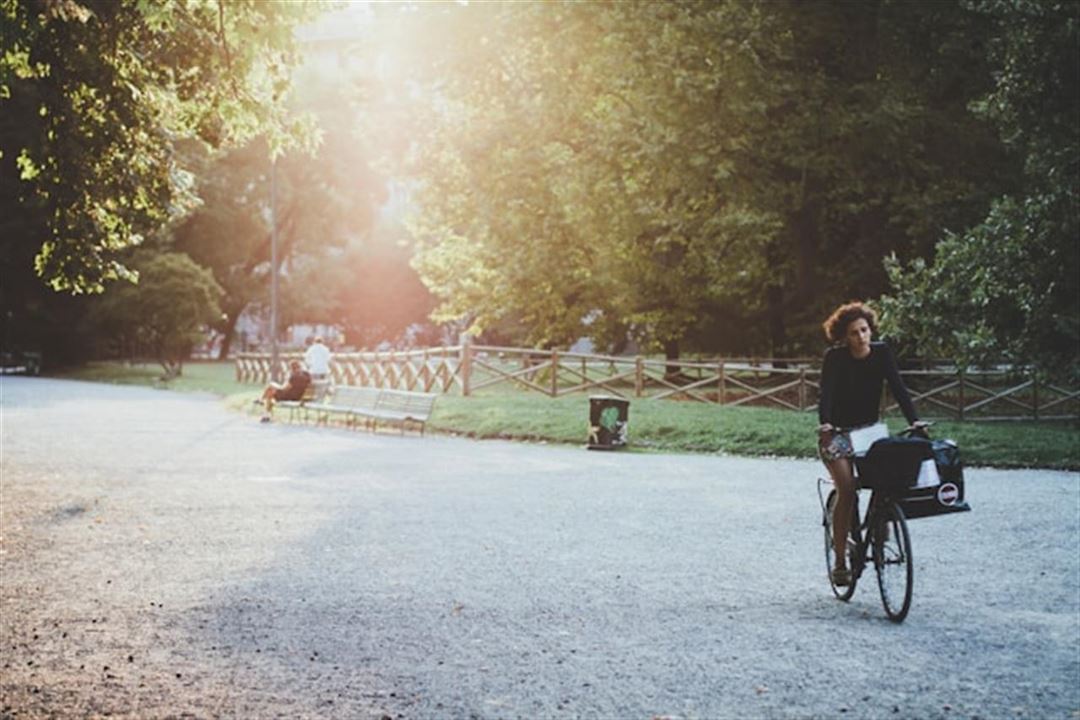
x=687 y=176
x=1009 y=286
x=164 y=314
x=94 y=94
x=710 y=175
x=97 y=101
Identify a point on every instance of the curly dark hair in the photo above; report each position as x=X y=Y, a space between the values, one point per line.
x=836 y=325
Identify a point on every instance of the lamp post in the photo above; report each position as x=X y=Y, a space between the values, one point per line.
x=337 y=39
x=274 y=358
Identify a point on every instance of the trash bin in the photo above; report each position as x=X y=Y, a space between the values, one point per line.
x=608 y=417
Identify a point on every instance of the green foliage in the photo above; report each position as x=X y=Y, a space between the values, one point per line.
x=674 y=170
x=93 y=94
x=167 y=312
x=702 y=176
x=1004 y=290
x=1009 y=287
x=338 y=264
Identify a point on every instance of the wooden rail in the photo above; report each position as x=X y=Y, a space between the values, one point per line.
x=941 y=391
x=431 y=370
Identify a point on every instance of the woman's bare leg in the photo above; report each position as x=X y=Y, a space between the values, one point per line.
x=268 y=396
x=844 y=480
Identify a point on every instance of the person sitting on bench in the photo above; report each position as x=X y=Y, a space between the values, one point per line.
x=293 y=389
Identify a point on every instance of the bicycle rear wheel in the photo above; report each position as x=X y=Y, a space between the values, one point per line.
x=893 y=562
x=843 y=593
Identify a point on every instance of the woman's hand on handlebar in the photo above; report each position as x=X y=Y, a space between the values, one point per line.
x=918 y=428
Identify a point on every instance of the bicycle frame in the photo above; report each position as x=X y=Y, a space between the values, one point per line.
x=878 y=537
x=861 y=530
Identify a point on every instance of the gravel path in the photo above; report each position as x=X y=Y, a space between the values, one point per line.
x=162 y=557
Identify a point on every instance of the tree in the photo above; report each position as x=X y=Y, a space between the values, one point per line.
x=867 y=148
x=94 y=92
x=562 y=182
x=1009 y=286
x=382 y=295
x=94 y=95
x=667 y=169
x=166 y=313
x=327 y=200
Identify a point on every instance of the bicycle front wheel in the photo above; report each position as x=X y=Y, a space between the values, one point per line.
x=893 y=562
x=843 y=593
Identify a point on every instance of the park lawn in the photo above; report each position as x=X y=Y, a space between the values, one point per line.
x=672 y=426
x=655 y=425
x=211 y=376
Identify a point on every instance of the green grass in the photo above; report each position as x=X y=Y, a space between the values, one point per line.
x=655 y=425
x=669 y=426
x=218 y=378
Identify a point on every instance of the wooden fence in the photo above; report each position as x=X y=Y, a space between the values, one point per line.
x=794 y=383
x=432 y=370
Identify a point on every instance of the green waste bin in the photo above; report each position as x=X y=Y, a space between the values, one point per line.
x=608 y=418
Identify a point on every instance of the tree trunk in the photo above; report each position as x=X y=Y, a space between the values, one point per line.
x=671 y=353
x=777 y=331
x=227 y=335
x=232 y=315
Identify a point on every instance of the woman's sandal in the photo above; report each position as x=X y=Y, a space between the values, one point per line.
x=841 y=577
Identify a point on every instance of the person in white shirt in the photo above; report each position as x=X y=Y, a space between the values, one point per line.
x=317 y=359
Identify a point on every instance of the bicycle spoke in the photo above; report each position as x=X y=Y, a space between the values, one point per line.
x=892 y=561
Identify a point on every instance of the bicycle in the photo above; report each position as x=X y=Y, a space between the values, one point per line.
x=881 y=538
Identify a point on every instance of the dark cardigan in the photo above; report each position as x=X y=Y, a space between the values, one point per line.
x=851 y=389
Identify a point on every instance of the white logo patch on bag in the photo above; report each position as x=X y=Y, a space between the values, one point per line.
x=948 y=494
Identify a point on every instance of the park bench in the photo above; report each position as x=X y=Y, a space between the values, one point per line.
x=296 y=407
x=402 y=407
x=373 y=405
x=346 y=400
x=315 y=392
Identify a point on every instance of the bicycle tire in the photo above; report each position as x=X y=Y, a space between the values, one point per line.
x=893 y=561
x=842 y=593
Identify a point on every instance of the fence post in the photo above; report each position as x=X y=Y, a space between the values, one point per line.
x=1035 y=393
x=639 y=376
x=466 y=365
x=723 y=383
x=963 y=402
x=554 y=373
x=802 y=389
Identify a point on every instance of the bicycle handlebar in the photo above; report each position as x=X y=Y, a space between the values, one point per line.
x=920 y=427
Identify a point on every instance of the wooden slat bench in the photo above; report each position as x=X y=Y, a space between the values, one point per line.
x=403 y=407
x=373 y=405
x=346 y=400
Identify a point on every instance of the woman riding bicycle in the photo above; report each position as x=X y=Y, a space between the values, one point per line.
x=851 y=381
